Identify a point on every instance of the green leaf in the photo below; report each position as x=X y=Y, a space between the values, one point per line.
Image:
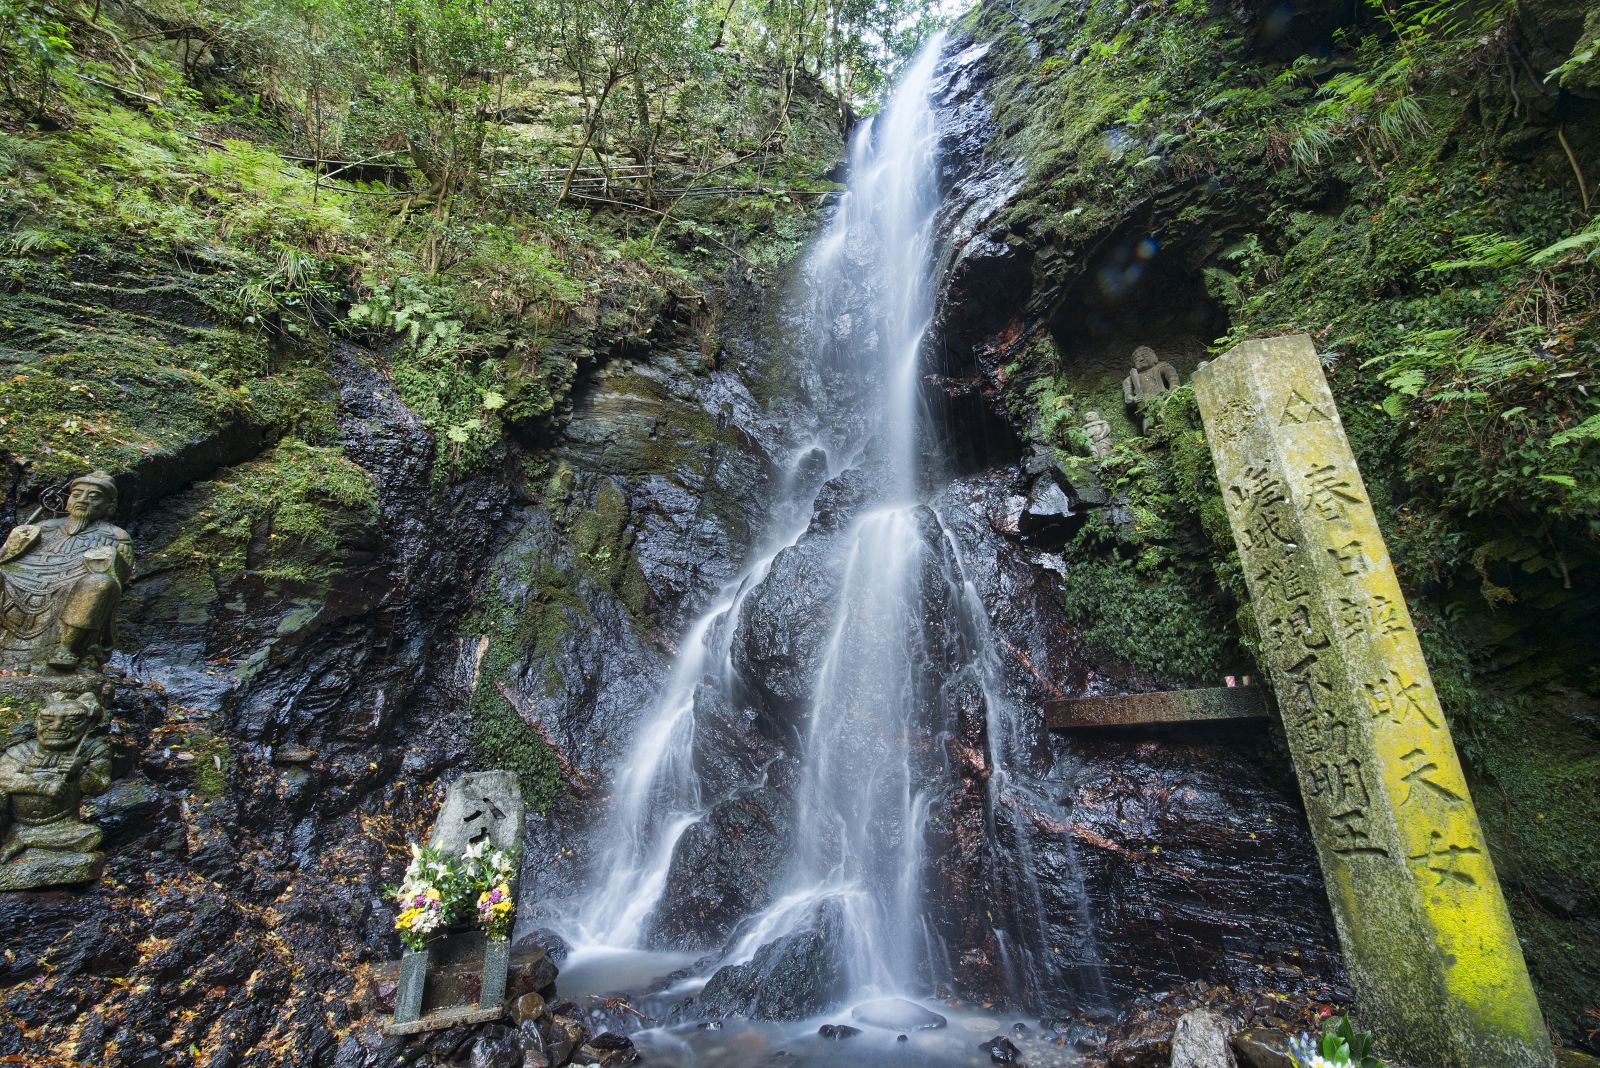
x=1561 y=480
x=1588 y=430
x=493 y=400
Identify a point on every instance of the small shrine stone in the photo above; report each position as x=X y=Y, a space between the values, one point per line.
x=461 y=978
x=1150 y=377
x=43 y=781
x=480 y=804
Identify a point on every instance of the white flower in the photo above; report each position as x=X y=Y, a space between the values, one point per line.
x=475 y=850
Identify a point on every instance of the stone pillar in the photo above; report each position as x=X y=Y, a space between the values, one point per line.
x=1437 y=970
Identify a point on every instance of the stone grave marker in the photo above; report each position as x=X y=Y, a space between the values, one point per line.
x=1437 y=969
x=479 y=806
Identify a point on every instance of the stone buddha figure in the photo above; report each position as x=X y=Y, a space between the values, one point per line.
x=1150 y=378
x=43 y=780
x=60 y=582
x=1098 y=432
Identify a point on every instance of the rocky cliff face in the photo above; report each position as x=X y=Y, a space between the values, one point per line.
x=1174 y=176
x=325 y=626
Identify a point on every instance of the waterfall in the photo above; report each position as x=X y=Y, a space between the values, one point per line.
x=868 y=737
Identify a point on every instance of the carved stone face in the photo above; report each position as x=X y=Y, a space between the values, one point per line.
x=1091 y=417
x=1144 y=359
x=88 y=501
x=61 y=726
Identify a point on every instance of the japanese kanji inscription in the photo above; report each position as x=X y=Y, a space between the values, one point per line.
x=1436 y=965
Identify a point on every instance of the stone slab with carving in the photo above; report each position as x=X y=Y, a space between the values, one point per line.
x=43 y=781
x=1438 y=972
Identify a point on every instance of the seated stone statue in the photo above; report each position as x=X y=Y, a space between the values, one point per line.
x=1151 y=376
x=60 y=582
x=43 y=780
x=1098 y=432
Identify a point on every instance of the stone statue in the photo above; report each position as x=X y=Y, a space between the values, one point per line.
x=42 y=780
x=1099 y=433
x=60 y=582
x=1151 y=376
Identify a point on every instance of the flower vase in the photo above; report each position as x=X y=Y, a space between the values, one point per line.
x=496 y=963
x=413 y=977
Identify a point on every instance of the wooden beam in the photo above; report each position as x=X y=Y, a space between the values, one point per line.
x=1152 y=709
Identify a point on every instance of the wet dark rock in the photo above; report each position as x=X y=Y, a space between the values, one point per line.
x=528 y=1007
x=726 y=866
x=1002 y=1050
x=1259 y=1047
x=801 y=974
x=496 y=1047
x=897 y=1014
x=838 y=1032
x=1201 y=1041
x=562 y=1035
x=553 y=944
x=784 y=627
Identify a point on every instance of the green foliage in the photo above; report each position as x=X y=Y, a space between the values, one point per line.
x=34 y=52
x=1153 y=617
x=1341 y=1043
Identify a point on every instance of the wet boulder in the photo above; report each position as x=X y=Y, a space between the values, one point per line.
x=897 y=1014
x=784 y=626
x=724 y=867
x=1201 y=1041
x=799 y=975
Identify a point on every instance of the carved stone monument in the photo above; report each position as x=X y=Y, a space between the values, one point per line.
x=60 y=582
x=43 y=780
x=1150 y=378
x=1435 y=963
x=480 y=806
x=1098 y=432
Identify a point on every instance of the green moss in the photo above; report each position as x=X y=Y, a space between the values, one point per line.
x=292 y=515
x=524 y=631
x=213 y=759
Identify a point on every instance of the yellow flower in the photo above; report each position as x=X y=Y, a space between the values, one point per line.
x=431 y=894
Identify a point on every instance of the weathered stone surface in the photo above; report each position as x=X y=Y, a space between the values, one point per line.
x=1436 y=965
x=1167 y=706
x=1201 y=1041
x=477 y=803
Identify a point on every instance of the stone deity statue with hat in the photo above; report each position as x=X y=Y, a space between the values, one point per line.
x=61 y=579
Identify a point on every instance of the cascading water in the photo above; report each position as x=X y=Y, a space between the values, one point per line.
x=869 y=733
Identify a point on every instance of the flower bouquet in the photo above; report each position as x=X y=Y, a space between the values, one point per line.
x=429 y=896
x=490 y=871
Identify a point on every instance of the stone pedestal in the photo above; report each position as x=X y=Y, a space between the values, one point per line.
x=413 y=978
x=1435 y=963
x=496 y=964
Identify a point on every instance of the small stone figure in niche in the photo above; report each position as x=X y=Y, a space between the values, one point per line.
x=43 y=780
x=1099 y=433
x=1150 y=378
x=60 y=582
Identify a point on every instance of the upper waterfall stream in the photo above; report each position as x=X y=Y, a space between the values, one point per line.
x=902 y=642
